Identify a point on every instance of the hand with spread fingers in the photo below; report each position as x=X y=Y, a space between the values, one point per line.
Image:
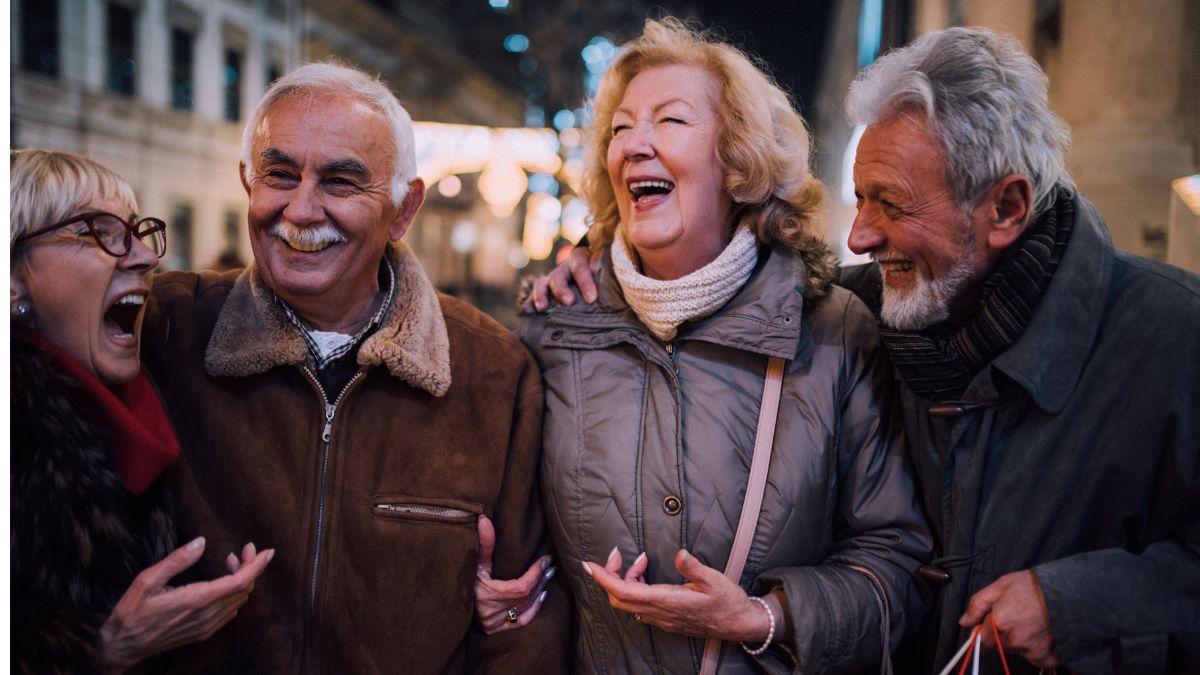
x=1019 y=611
x=580 y=267
x=502 y=605
x=707 y=605
x=152 y=617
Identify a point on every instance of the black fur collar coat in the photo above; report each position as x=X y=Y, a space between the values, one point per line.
x=78 y=537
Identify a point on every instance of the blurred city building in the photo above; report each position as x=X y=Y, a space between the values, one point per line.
x=156 y=90
x=159 y=91
x=1124 y=76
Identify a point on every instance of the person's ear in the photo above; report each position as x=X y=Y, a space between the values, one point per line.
x=407 y=210
x=18 y=294
x=242 y=177
x=1010 y=209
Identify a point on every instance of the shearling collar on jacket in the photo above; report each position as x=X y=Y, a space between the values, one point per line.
x=253 y=334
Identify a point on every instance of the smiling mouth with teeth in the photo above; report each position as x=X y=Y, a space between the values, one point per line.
x=123 y=314
x=307 y=247
x=896 y=265
x=644 y=188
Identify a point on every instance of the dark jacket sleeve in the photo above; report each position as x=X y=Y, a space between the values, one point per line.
x=841 y=609
x=1138 y=611
x=1135 y=608
x=541 y=646
x=1116 y=611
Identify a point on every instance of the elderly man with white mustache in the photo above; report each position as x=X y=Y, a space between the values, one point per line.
x=1048 y=381
x=333 y=406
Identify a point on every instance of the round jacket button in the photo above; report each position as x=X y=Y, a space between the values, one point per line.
x=672 y=505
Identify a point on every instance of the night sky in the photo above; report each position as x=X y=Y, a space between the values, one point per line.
x=789 y=36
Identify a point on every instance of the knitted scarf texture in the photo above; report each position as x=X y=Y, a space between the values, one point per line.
x=132 y=415
x=939 y=362
x=662 y=305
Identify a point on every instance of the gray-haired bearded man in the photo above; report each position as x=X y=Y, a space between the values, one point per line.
x=1050 y=384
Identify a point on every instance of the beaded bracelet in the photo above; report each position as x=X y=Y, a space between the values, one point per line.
x=770 y=633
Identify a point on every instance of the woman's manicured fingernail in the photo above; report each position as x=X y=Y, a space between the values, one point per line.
x=585 y=567
x=612 y=554
x=549 y=574
x=196 y=544
x=640 y=558
x=542 y=597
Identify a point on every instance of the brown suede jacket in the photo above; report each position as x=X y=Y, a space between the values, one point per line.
x=369 y=499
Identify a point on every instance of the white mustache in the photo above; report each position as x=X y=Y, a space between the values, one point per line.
x=322 y=234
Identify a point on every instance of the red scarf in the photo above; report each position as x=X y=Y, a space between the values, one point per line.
x=133 y=417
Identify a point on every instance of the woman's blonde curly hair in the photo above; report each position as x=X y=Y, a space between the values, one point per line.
x=763 y=144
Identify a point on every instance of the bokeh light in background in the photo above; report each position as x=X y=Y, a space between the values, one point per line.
x=464 y=236
x=516 y=43
x=450 y=186
x=542 y=213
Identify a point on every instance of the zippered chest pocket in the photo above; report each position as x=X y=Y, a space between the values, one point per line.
x=403 y=507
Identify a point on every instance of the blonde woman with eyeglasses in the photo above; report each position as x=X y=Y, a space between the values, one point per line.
x=93 y=531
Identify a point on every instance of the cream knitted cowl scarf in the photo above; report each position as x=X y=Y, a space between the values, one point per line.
x=663 y=305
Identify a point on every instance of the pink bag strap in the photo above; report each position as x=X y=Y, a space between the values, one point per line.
x=755 y=486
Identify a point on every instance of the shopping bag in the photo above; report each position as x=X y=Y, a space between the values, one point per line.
x=968 y=653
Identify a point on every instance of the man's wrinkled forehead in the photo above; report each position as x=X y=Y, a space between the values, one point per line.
x=299 y=128
x=348 y=165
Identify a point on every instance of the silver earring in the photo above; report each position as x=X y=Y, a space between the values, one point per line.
x=22 y=309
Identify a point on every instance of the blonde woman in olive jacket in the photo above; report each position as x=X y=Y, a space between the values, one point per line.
x=703 y=207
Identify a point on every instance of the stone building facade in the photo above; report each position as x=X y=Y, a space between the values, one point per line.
x=159 y=91
x=1125 y=76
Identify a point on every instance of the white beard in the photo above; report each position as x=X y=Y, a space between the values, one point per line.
x=929 y=302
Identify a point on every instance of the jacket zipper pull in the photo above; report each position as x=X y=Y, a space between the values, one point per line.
x=670 y=349
x=329 y=410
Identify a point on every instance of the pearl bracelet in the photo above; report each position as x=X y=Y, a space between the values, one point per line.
x=770 y=633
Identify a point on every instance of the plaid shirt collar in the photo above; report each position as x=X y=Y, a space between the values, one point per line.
x=375 y=322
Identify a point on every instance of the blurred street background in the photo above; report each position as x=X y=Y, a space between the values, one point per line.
x=159 y=89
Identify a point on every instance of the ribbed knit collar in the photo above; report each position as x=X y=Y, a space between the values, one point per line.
x=662 y=305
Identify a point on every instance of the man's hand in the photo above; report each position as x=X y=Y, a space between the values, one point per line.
x=579 y=266
x=152 y=617
x=708 y=605
x=494 y=597
x=1017 y=607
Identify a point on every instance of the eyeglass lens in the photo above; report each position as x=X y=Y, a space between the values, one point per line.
x=111 y=231
x=153 y=233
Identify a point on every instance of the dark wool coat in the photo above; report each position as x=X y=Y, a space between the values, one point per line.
x=1077 y=455
x=78 y=537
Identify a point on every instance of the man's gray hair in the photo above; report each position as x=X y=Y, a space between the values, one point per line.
x=985 y=102
x=318 y=78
